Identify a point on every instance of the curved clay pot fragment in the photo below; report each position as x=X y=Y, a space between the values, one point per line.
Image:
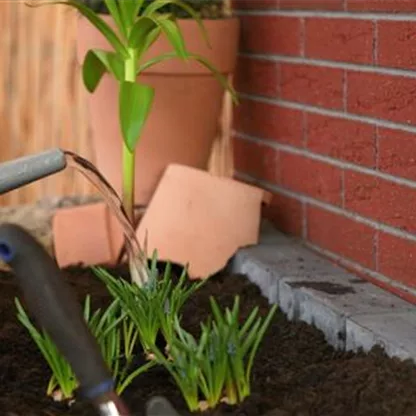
x=194 y=218
x=81 y=234
x=200 y=219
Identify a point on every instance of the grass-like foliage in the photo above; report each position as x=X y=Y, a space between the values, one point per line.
x=117 y=336
x=154 y=306
x=214 y=367
x=217 y=366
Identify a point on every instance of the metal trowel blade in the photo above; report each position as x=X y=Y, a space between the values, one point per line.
x=159 y=406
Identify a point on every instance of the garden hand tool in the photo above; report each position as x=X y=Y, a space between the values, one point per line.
x=54 y=305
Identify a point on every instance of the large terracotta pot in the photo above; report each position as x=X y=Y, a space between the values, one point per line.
x=184 y=119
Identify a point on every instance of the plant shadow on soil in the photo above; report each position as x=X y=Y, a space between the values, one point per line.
x=296 y=373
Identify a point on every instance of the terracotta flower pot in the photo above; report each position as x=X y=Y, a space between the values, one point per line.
x=184 y=119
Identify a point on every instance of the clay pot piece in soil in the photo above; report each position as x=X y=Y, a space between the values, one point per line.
x=296 y=373
x=191 y=213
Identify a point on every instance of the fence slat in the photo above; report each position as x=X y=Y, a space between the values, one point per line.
x=42 y=100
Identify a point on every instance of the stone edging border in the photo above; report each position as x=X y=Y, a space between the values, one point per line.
x=351 y=312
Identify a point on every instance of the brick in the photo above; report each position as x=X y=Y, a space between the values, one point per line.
x=382 y=96
x=394 y=6
x=257 y=160
x=257 y=76
x=354 y=240
x=268 y=121
x=310 y=177
x=397 y=153
x=312 y=85
x=271 y=34
x=397 y=258
x=396 y=44
x=346 y=40
x=346 y=140
x=285 y=213
x=384 y=201
x=255 y=4
x=312 y=4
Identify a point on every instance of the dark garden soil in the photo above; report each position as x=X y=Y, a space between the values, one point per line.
x=296 y=372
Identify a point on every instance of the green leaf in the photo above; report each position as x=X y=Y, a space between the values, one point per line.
x=87 y=308
x=127 y=14
x=152 y=38
x=174 y=35
x=216 y=312
x=94 y=19
x=249 y=321
x=63 y=376
x=201 y=60
x=259 y=338
x=140 y=32
x=251 y=337
x=158 y=59
x=155 y=33
x=156 y=5
x=137 y=7
x=144 y=27
x=113 y=8
x=125 y=383
x=220 y=77
x=135 y=101
x=97 y=63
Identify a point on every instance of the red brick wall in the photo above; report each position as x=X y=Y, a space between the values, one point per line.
x=327 y=122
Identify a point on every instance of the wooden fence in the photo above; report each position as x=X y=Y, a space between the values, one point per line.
x=42 y=99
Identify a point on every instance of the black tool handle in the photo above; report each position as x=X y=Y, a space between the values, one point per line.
x=51 y=300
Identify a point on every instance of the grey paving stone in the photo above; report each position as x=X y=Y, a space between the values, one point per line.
x=395 y=332
x=351 y=312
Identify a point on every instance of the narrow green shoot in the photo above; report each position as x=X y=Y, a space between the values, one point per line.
x=154 y=306
x=242 y=345
x=217 y=366
x=183 y=364
x=116 y=335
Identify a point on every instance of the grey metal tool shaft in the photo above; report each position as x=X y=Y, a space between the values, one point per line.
x=27 y=169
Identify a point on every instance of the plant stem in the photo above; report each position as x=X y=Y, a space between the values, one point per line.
x=232 y=396
x=129 y=171
x=129 y=166
x=128 y=182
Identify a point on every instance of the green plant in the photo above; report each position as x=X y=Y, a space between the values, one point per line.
x=212 y=9
x=154 y=306
x=242 y=345
x=116 y=335
x=220 y=362
x=138 y=25
x=183 y=363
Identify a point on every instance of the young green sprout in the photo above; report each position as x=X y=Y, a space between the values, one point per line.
x=154 y=306
x=217 y=366
x=116 y=335
x=242 y=345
